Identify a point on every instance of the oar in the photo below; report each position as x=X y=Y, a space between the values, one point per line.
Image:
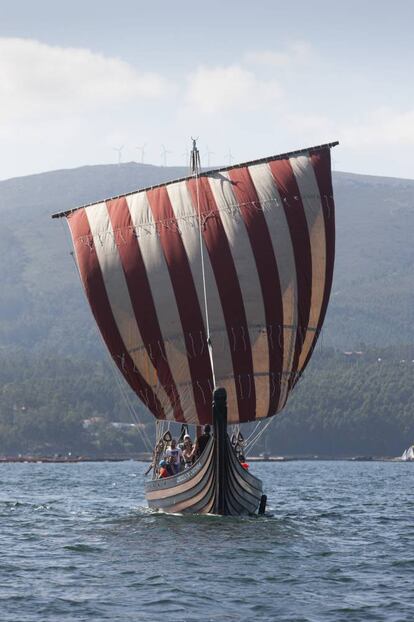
x=151 y=466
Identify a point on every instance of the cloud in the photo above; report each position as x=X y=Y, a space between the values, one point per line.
x=39 y=80
x=251 y=84
x=64 y=107
x=215 y=90
x=310 y=122
x=383 y=127
x=298 y=53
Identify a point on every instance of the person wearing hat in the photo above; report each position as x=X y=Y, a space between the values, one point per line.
x=163 y=470
x=188 y=451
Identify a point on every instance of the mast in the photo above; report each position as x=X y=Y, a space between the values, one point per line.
x=219 y=396
x=195 y=166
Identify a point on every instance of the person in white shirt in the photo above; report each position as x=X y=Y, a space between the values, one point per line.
x=174 y=455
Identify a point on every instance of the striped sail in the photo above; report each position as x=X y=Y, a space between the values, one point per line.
x=268 y=235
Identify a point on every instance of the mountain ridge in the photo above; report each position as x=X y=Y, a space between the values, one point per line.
x=156 y=167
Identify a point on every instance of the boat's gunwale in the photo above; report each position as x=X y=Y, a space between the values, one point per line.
x=184 y=497
x=223 y=169
x=166 y=483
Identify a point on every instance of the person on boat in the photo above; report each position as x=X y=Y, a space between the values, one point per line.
x=174 y=456
x=189 y=451
x=183 y=434
x=163 y=470
x=203 y=440
x=243 y=462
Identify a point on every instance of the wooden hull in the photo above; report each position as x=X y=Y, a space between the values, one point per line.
x=196 y=490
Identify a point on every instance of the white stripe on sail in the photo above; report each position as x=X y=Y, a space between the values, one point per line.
x=249 y=282
x=185 y=213
x=119 y=299
x=283 y=249
x=311 y=201
x=164 y=300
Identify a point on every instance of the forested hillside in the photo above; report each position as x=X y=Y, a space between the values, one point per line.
x=373 y=291
x=46 y=400
x=354 y=404
x=349 y=405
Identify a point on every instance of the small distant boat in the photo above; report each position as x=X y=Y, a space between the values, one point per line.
x=408 y=455
x=210 y=293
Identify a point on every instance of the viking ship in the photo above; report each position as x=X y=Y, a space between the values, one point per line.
x=210 y=293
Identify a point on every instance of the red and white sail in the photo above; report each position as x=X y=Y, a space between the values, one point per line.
x=268 y=235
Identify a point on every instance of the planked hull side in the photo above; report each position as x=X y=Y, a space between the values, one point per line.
x=191 y=491
x=195 y=490
x=243 y=491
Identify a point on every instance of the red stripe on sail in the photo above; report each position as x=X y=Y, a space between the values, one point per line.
x=230 y=295
x=94 y=285
x=262 y=247
x=141 y=299
x=187 y=301
x=321 y=162
x=295 y=215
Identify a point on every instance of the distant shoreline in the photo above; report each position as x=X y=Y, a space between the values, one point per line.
x=73 y=459
x=147 y=458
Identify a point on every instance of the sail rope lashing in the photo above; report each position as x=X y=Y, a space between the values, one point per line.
x=195 y=166
x=154 y=226
x=130 y=407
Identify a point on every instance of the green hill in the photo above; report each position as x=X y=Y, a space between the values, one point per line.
x=42 y=306
x=345 y=405
x=373 y=292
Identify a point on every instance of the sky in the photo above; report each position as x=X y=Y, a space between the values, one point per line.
x=80 y=80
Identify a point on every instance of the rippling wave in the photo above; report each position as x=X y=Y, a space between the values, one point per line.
x=79 y=544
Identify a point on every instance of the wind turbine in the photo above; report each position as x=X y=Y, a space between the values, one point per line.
x=208 y=154
x=164 y=153
x=229 y=157
x=119 y=151
x=142 y=152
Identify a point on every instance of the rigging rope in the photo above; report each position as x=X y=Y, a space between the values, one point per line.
x=254 y=441
x=195 y=168
x=251 y=435
x=130 y=407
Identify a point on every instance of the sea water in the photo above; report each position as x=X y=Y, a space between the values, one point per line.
x=78 y=543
